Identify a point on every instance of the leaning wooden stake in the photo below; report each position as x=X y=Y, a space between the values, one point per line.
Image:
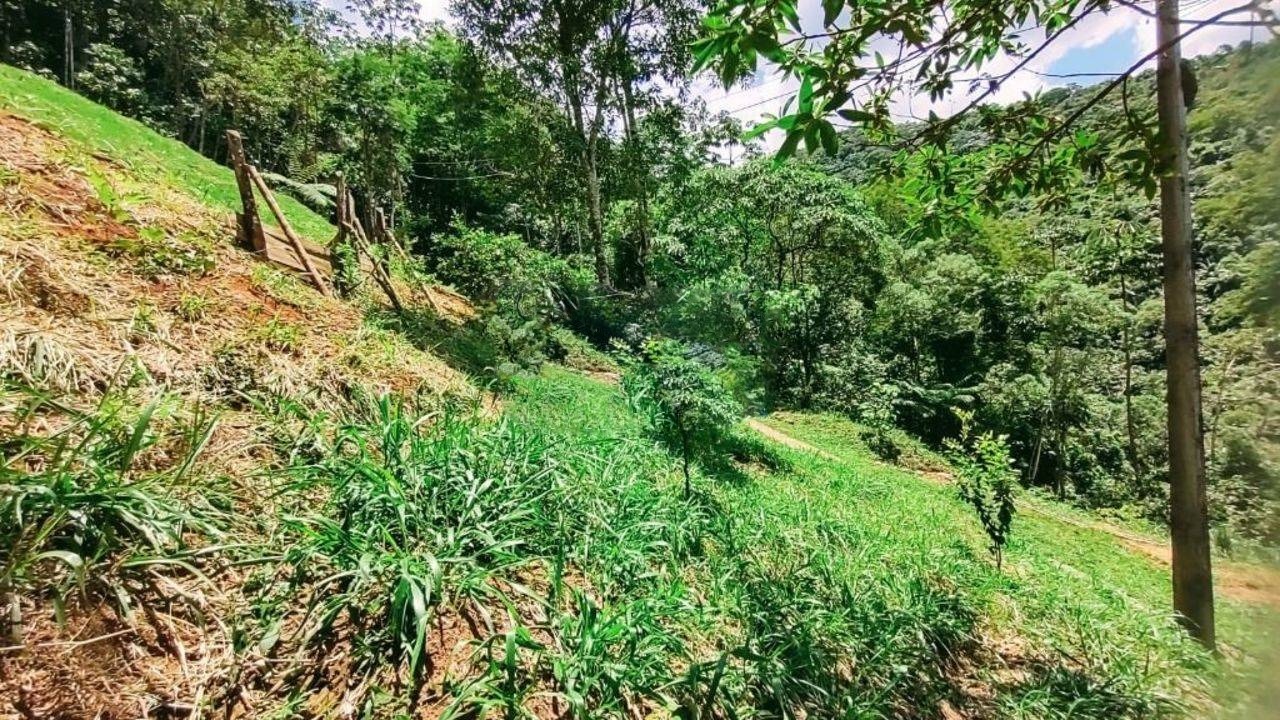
x=388 y=237
x=379 y=275
x=342 y=202
x=294 y=240
x=351 y=225
x=343 y=282
x=250 y=226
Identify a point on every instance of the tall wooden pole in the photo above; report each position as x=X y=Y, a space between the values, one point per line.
x=1188 y=516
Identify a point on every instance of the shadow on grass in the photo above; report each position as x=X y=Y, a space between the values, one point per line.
x=741 y=452
x=1060 y=688
x=478 y=347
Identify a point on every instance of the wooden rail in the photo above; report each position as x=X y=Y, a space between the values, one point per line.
x=285 y=247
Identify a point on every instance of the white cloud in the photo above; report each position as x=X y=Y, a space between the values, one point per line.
x=436 y=10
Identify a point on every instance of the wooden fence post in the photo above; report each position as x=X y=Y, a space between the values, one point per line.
x=361 y=240
x=344 y=258
x=388 y=237
x=249 y=225
x=342 y=202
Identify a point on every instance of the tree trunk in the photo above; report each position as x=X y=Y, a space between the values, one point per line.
x=590 y=173
x=1188 y=512
x=68 y=49
x=596 y=214
x=641 y=179
x=684 y=456
x=1127 y=342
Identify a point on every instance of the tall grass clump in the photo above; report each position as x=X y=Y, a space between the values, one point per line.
x=90 y=497
x=419 y=510
x=559 y=556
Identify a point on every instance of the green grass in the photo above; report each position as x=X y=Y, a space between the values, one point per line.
x=1084 y=591
x=143 y=151
x=789 y=584
x=86 y=506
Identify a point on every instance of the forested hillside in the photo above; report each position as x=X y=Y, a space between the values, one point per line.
x=626 y=413
x=814 y=282
x=1044 y=313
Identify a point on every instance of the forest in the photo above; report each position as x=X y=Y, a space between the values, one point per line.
x=976 y=295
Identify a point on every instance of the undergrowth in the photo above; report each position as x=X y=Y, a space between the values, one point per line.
x=411 y=558
x=558 y=535
x=93 y=500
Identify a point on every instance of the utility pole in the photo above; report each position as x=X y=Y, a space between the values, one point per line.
x=1188 y=516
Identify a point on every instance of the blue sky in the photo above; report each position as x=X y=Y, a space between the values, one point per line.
x=1118 y=51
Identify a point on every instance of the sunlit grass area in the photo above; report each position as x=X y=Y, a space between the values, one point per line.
x=144 y=152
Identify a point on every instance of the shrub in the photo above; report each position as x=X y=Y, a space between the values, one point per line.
x=497 y=269
x=987 y=483
x=686 y=403
x=91 y=501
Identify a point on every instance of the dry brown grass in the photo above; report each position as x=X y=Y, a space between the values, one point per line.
x=83 y=308
x=76 y=308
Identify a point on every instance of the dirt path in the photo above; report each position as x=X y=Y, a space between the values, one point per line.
x=1253 y=584
x=784 y=439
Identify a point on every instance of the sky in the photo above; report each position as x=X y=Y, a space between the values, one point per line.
x=1099 y=44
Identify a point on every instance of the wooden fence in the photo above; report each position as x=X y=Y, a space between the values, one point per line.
x=285 y=247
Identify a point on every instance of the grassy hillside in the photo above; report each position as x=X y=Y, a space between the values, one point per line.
x=223 y=494
x=137 y=147
x=1075 y=582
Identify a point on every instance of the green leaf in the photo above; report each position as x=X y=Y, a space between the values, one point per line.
x=139 y=433
x=759 y=130
x=806 y=95
x=764 y=43
x=789 y=145
x=830 y=143
x=856 y=116
x=704 y=49
x=811 y=141
x=830 y=11
x=68 y=558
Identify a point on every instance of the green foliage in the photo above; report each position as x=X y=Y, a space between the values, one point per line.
x=413 y=520
x=85 y=506
x=193 y=307
x=318 y=197
x=685 y=402
x=97 y=129
x=278 y=334
x=986 y=481
x=155 y=253
x=112 y=78
x=496 y=268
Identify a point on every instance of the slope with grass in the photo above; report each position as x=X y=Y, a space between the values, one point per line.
x=136 y=148
x=222 y=494
x=142 y=359
x=1095 y=591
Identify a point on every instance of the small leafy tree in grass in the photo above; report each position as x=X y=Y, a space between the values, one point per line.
x=986 y=481
x=689 y=407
